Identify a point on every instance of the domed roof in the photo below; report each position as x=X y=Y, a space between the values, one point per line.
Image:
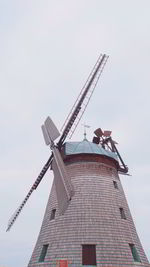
x=86 y=147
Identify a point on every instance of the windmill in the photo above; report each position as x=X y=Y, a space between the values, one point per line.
x=87 y=220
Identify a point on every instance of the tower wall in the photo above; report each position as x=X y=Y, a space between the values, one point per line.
x=93 y=217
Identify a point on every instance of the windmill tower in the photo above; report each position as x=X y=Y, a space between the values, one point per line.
x=87 y=219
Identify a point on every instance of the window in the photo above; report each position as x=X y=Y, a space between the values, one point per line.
x=88 y=255
x=43 y=253
x=53 y=212
x=123 y=216
x=115 y=184
x=135 y=254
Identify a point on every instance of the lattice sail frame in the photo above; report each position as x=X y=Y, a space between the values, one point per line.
x=83 y=99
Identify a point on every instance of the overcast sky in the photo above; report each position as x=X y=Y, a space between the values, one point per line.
x=47 y=49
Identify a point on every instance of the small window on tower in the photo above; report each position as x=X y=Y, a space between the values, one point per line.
x=53 y=212
x=43 y=253
x=123 y=216
x=135 y=254
x=88 y=255
x=115 y=184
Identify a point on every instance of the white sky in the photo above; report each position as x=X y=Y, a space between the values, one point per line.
x=47 y=49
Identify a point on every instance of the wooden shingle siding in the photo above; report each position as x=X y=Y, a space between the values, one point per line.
x=92 y=218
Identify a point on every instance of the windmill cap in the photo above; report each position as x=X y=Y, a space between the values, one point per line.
x=86 y=147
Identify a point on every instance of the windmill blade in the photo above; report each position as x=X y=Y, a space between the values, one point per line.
x=107 y=133
x=50 y=131
x=63 y=185
x=83 y=99
x=64 y=188
x=98 y=132
x=45 y=135
x=34 y=186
